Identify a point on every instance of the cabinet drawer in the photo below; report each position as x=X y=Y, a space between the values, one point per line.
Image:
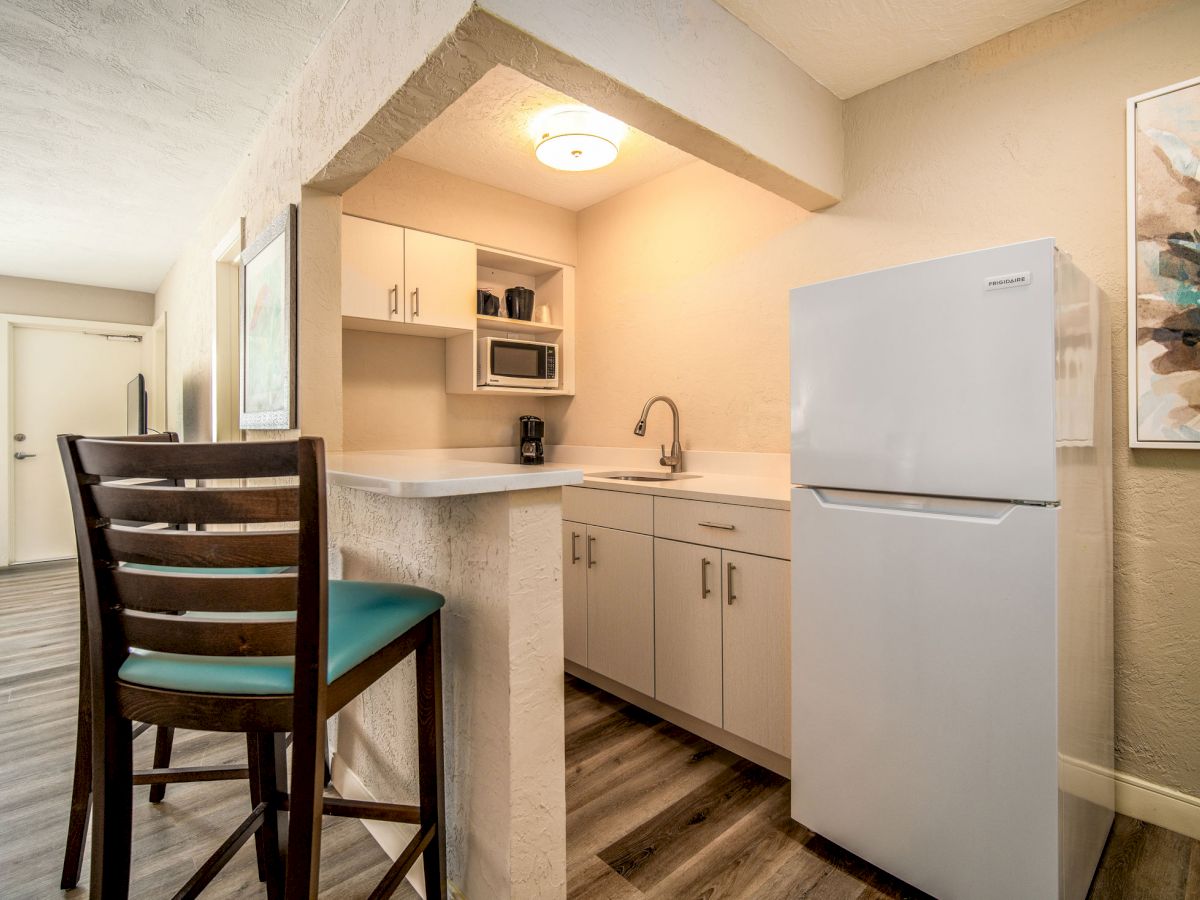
x=749 y=529
x=611 y=509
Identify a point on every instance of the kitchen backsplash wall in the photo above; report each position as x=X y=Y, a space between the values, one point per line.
x=1022 y=137
x=394 y=386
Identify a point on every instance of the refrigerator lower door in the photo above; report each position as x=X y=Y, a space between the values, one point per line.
x=924 y=688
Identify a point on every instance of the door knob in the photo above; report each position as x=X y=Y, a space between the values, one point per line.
x=22 y=455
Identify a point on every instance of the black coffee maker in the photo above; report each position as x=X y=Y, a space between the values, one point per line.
x=533 y=430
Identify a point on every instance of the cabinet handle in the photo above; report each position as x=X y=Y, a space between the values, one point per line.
x=704 y=589
x=729 y=567
x=591 y=560
x=416 y=302
x=574 y=552
x=720 y=525
x=394 y=299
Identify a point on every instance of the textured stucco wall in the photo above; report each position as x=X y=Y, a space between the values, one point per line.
x=34 y=297
x=371 y=49
x=1019 y=138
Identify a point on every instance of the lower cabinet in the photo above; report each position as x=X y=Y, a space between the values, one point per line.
x=722 y=639
x=608 y=603
x=687 y=628
x=574 y=593
x=702 y=629
x=757 y=649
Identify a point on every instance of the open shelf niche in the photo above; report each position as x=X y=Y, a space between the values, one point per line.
x=554 y=289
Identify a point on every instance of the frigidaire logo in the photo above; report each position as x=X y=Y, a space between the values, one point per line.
x=999 y=282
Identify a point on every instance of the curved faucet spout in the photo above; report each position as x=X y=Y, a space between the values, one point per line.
x=675 y=459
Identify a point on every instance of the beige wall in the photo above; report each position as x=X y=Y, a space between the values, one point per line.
x=32 y=297
x=1019 y=138
x=394 y=386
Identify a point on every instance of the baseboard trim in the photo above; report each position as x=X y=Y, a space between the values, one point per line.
x=1158 y=805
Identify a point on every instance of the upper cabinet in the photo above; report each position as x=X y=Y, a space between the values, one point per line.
x=439 y=281
x=372 y=270
x=402 y=280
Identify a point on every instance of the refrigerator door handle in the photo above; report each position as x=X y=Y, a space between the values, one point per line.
x=982 y=512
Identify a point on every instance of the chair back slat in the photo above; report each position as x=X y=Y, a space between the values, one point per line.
x=217 y=549
x=168 y=592
x=202 y=636
x=124 y=521
x=201 y=506
x=124 y=459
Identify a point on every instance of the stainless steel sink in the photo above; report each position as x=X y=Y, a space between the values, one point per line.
x=644 y=476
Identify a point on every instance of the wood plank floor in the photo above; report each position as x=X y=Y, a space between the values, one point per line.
x=656 y=812
x=652 y=810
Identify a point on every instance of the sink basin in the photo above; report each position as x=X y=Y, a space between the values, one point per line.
x=644 y=476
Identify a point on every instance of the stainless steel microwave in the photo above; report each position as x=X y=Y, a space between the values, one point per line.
x=506 y=362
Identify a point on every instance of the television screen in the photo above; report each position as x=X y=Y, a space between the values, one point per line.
x=135 y=406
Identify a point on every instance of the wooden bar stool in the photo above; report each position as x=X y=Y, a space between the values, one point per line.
x=161 y=774
x=258 y=654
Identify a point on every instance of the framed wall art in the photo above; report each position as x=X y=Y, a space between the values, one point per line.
x=1164 y=267
x=267 y=314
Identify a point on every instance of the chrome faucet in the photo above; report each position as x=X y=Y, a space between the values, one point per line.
x=675 y=460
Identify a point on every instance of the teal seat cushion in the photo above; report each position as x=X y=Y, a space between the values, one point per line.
x=364 y=617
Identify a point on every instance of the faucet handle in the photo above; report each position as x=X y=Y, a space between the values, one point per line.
x=662 y=450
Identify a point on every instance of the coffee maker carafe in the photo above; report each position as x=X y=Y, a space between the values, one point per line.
x=533 y=430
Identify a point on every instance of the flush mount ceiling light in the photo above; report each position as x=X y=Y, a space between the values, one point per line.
x=576 y=138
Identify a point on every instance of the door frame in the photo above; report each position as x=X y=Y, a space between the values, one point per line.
x=225 y=364
x=8 y=324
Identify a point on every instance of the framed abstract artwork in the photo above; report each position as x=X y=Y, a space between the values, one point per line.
x=267 y=315
x=1164 y=267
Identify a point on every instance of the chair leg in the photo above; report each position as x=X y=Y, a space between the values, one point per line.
x=112 y=793
x=431 y=773
x=268 y=782
x=163 y=738
x=81 y=788
x=305 y=808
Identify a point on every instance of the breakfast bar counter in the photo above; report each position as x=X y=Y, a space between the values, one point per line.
x=488 y=537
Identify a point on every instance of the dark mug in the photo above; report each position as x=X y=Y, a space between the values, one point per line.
x=487 y=303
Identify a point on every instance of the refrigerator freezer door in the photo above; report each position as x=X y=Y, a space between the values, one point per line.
x=924 y=688
x=931 y=378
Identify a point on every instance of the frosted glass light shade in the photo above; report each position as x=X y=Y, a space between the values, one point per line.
x=576 y=138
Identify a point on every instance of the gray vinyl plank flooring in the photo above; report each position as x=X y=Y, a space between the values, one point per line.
x=653 y=811
x=656 y=812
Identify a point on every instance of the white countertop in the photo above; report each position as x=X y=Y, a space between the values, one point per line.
x=742 y=478
x=416 y=475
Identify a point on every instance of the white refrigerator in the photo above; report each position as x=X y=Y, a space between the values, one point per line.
x=952 y=667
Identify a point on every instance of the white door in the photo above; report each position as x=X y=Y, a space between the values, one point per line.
x=64 y=382
x=372 y=270
x=439 y=280
x=924 y=688
x=930 y=378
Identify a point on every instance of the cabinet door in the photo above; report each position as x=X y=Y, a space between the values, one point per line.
x=620 y=606
x=372 y=269
x=757 y=649
x=687 y=628
x=574 y=592
x=439 y=280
